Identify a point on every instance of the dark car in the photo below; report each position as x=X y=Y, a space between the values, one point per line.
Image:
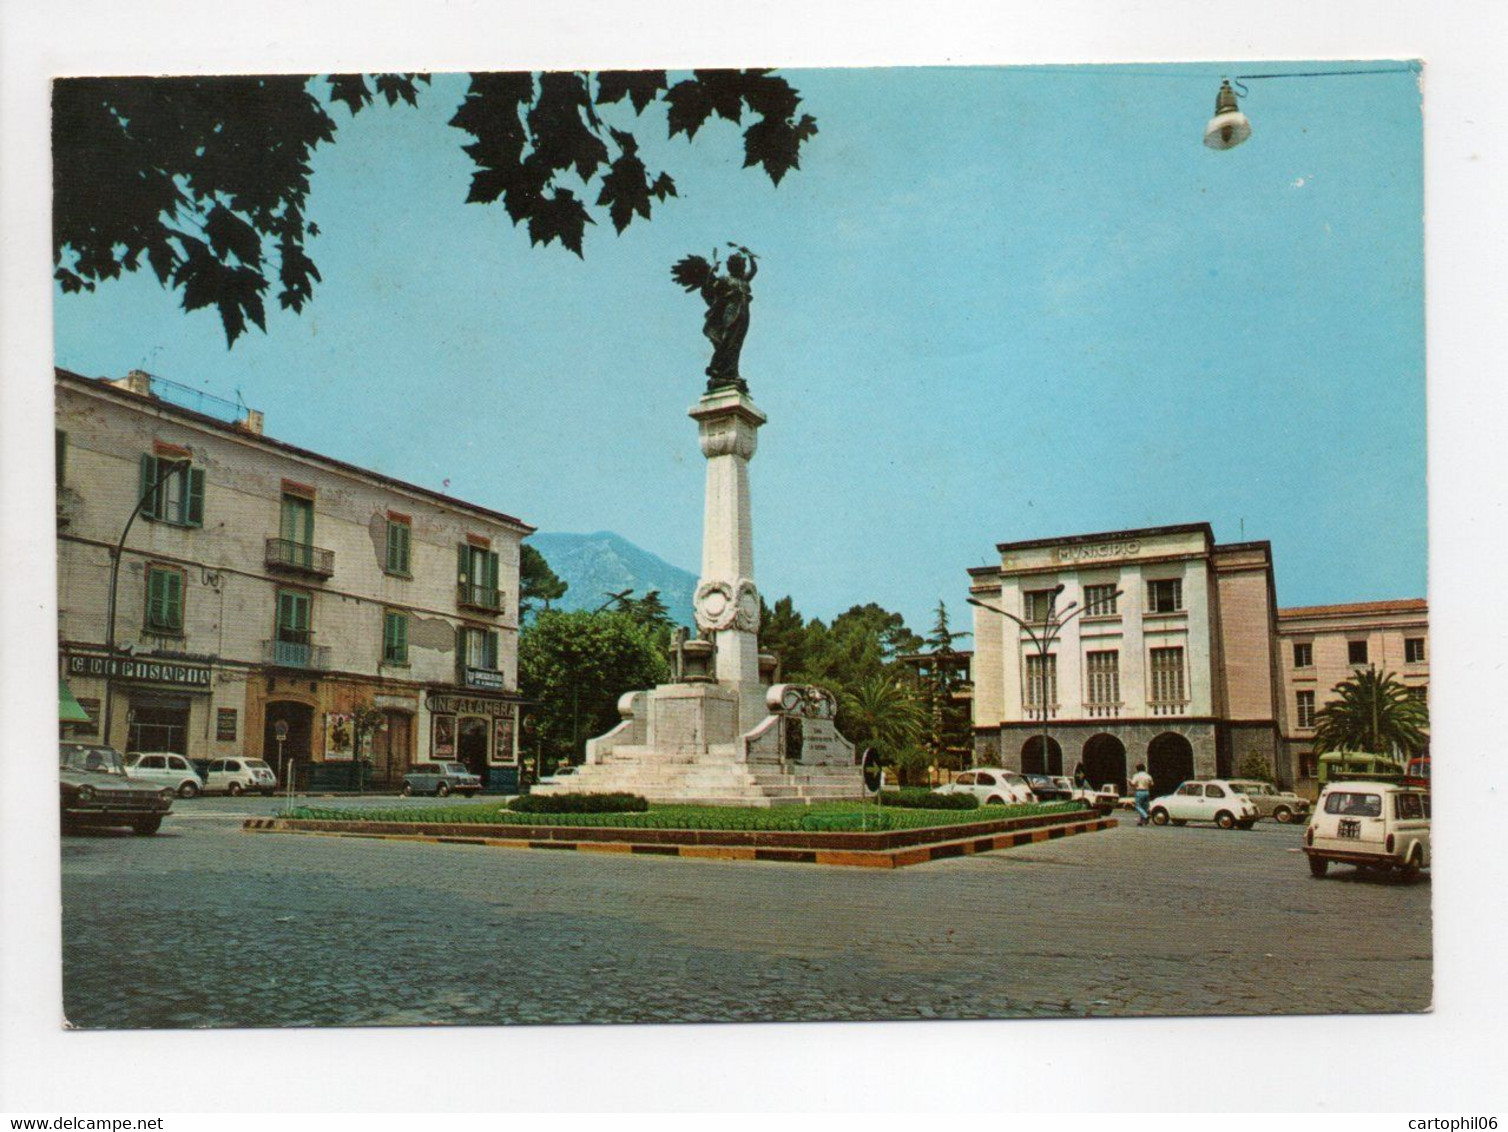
x=1050 y=789
x=94 y=790
x=440 y=779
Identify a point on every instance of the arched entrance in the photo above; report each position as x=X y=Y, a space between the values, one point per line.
x=1105 y=762
x=1032 y=761
x=1170 y=761
x=298 y=721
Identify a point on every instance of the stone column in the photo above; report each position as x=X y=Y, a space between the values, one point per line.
x=727 y=602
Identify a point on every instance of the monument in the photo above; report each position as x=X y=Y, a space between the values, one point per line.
x=721 y=731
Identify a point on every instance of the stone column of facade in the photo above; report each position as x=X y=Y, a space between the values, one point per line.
x=727 y=602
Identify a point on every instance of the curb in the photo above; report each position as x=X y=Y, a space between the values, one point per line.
x=696 y=844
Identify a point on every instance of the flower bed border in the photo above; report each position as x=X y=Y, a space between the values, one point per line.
x=889 y=849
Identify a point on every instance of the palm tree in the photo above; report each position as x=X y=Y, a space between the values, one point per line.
x=884 y=713
x=1373 y=712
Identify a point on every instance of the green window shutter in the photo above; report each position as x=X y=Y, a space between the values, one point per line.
x=62 y=455
x=400 y=623
x=489 y=651
x=405 y=541
x=463 y=562
x=172 y=599
x=492 y=570
x=193 y=505
x=148 y=478
x=460 y=654
x=154 y=598
x=392 y=546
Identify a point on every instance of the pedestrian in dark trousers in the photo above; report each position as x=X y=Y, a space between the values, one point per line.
x=1080 y=778
x=1141 y=784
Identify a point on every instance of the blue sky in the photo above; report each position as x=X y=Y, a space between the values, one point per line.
x=994 y=304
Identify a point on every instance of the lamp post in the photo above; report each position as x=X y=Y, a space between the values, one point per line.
x=1051 y=628
x=115 y=554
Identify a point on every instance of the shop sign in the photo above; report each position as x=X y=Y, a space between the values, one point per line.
x=141 y=669
x=484 y=678
x=450 y=704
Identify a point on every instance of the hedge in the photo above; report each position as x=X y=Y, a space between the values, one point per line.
x=920 y=798
x=579 y=804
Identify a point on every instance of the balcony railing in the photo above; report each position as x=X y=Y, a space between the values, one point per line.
x=296 y=654
x=479 y=597
x=1169 y=707
x=285 y=554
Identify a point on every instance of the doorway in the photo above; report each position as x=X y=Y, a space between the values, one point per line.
x=1105 y=762
x=471 y=745
x=392 y=747
x=158 y=725
x=1032 y=761
x=1170 y=762
x=298 y=725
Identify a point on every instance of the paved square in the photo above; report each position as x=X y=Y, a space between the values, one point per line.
x=205 y=926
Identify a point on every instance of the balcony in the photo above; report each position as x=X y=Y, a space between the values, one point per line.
x=296 y=654
x=1168 y=707
x=479 y=597
x=300 y=558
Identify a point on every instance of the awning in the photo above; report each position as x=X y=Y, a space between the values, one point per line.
x=69 y=710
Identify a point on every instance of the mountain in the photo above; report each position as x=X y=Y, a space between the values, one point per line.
x=598 y=564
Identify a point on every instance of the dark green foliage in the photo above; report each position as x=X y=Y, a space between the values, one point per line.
x=575 y=666
x=579 y=804
x=536 y=581
x=205 y=176
x=920 y=798
x=1372 y=711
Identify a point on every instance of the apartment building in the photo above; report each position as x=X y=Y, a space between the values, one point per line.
x=272 y=601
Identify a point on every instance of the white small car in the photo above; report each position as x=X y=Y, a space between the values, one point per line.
x=166 y=768
x=238 y=775
x=992 y=785
x=1373 y=825
x=1209 y=799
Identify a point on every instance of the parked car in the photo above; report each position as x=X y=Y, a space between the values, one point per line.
x=238 y=775
x=440 y=779
x=1048 y=788
x=166 y=769
x=1209 y=799
x=1107 y=798
x=1373 y=825
x=1280 y=805
x=992 y=785
x=94 y=790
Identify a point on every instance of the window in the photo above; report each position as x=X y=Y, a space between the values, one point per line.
x=1034 y=697
x=478 y=648
x=1165 y=595
x=1350 y=804
x=477 y=569
x=225 y=724
x=1413 y=650
x=60 y=453
x=1037 y=604
x=1099 y=601
x=1356 y=652
x=984 y=779
x=179 y=499
x=399 y=533
x=1213 y=791
x=153 y=762
x=1419 y=692
x=1305 y=708
x=1408 y=806
x=394 y=638
x=297 y=525
x=1192 y=789
x=1303 y=654
x=1104 y=677
x=164 y=600
x=1167 y=676
x=293 y=617
x=965 y=779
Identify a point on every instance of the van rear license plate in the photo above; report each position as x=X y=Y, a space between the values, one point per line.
x=1350 y=828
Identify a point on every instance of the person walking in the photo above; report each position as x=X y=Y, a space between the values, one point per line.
x=1141 y=785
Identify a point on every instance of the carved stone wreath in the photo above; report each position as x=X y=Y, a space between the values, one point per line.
x=808 y=700
x=723 y=605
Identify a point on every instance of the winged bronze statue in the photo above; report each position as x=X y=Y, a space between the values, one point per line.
x=727 y=295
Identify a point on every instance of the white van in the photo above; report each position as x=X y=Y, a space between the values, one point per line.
x=1372 y=825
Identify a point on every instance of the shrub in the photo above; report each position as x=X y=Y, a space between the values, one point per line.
x=920 y=798
x=579 y=804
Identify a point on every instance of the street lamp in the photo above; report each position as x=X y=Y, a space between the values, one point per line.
x=1229 y=127
x=115 y=554
x=1051 y=627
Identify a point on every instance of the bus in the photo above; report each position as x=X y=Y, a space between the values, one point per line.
x=1340 y=766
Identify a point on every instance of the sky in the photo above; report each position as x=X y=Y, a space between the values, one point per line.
x=993 y=304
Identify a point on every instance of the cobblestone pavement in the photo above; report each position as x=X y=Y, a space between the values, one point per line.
x=204 y=925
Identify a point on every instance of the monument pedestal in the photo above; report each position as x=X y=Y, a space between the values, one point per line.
x=729 y=739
